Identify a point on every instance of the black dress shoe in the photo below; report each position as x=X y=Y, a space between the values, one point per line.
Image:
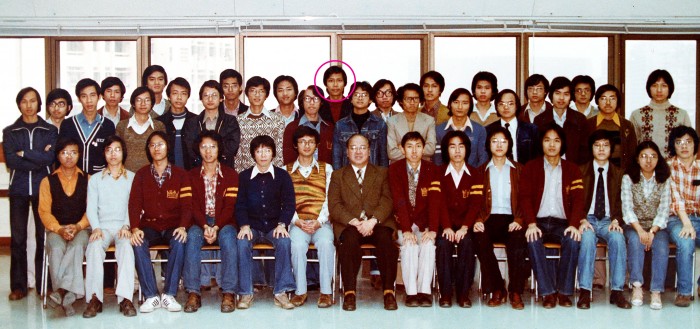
x=390 y=302
x=412 y=301
x=618 y=298
x=584 y=299
x=349 y=303
x=564 y=300
x=445 y=301
x=549 y=301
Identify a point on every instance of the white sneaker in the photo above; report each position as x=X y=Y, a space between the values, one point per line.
x=655 y=301
x=150 y=305
x=169 y=303
x=637 y=296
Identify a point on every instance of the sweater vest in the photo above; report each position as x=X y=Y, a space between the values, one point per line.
x=68 y=209
x=646 y=207
x=310 y=192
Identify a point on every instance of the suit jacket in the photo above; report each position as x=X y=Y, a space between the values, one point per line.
x=485 y=210
x=575 y=130
x=378 y=113
x=398 y=127
x=460 y=204
x=325 y=146
x=345 y=201
x=628 y=140
x=526 y=140
x=523 y=116
x=426 y=213
x=613 y=187
x=242 y=108
x=225 y=197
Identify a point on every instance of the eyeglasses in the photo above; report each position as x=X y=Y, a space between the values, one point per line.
x=646 y=156
x=355 y=148
x=309 y=142
x=607 y=99
x=583 y=91
x=113 y=150
x=411 y=99
x=257 y=92
x=143 y=101
x=60 y=104
x=311 y=99
x=535 y=89
x=385 y=93
x=262 y=151
x=68 y=153
x=210 y=96
x=208 y=146
x=601 y=145
x=360 y=95
x=499 y=141
x=683 y=142
x=156 y=145
x=503 y=104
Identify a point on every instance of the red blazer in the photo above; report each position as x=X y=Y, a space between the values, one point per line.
x=426 y=213
x=460 y=205
x=325 y=147
x=485 y=210
x=226 y=195
x=167 y=207
x=532 y=189
x=575 y=130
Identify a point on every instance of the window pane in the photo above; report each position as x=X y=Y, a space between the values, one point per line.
x=569 y=57
x=458 y=59
x=396 y=60
x=195 y=59
x=22 y=64
x=298 y=57
x=97 y=60
x=675 y=56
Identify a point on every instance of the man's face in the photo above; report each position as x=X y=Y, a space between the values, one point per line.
x=306 y=146
x=431 y=90
x=263 y=156
x=561 y=98
x=114 y=154
x=68 y=157
x=607 y=103
x=410 y=101
x=582 y=93
x=484 y=91
x=232 y=89
x=413 y=150
x=460 y=106
x=360 y=98
x=536 y=93
x=684 y=147
x=384 y=97
x=506 y=107
x=648 y=159
x=601 y=150
x=358 y=151
x=211 y=99
x=156 y=82
x=178 y=97
x=29 y=104
x=285 y=93
x=158 y=149
x=335 y=85
x=88 y=99
x=113 y=96
x=257 y=95
x=498 y=145
x=312 y=103
x=659 y=91
x=58 y=108
x=209 y=150
x=143 y=103
x=457 y=150
x=551 y=144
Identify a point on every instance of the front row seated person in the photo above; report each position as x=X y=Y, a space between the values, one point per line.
x=62 y=204
x=160 y=211
x=551 y=194
x=214 y=193
x=359 y=200
x=415 y=190
x=264 y=210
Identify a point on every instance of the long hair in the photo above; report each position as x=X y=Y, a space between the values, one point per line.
x=662 y=172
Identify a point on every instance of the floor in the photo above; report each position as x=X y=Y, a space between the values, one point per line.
x=28 y=313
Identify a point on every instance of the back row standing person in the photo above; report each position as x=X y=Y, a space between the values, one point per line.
x=460 y=107
x=411 y=119
x=384 y=98
x=536 y=90
x=484 y=89
x=286 y=90
x=232 y=83
x=113 y=91
x=311 y=101
x=174 y=120
x=524 y=134
x=135 y=130
x=433 y=84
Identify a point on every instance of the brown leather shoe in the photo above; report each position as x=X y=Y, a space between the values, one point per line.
x=549 y=301
x=497 y=298
x=228 y=303
x=618 y=298
x=412 y=301
x=584 y=299
x=194 y=302
x=349 y=303
x=464 y=301
x=682 y=301
x=93 y=307
x=445 y=301
x=564 y=300
x=17 y=294
x=425 y=300
x=516 y=301
x=390 y=302
x=127 y=308
x=324 y=301
x=299 y=300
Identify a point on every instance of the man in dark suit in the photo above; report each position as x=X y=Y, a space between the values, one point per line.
x=524 y=134
x=359 y=200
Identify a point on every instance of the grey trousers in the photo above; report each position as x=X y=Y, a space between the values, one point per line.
x=66 y=261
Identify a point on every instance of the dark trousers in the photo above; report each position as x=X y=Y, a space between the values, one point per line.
x=496 y=231
x=19 y=218
x=350 y=255
x=460 y=272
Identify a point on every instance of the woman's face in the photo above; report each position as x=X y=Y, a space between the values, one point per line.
x=647 y=160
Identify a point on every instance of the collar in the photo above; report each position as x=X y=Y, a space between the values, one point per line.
x=255 y=172
x=277 y=109
x=599 y=119
x=450 y=124
x=355 y=169
x=205 y=117
x=314 y=163
x=491 y=164
x=202 y=172
x=652 y=178
x=455 y=172
x=596 y=166
x=264 y=112
x=81 y=118
x=676 y=162
x=134 y=123
x=59 y=172
x=548 y=166
x=556 y=116
x=492 y=109
x=513 y=123
x=122 y=172
x=408 y=166
x=304 y=120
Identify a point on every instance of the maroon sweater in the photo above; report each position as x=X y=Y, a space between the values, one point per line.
x=163 y=208
x=225 y=197
x=460 y=205
x=426 y=213
x=532 y=189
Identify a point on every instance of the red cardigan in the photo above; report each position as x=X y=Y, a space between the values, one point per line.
x=225 y=195
x=426 y=213
x=163 y=208
x=485 y=210
x=325 y=146
x=460 y=205
x=532 y=189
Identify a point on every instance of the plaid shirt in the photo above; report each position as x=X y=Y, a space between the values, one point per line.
x=210 y=190
x=684 y=195
x=161 y=179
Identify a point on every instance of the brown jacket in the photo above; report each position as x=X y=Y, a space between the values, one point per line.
x=485 y=211
x=613 y=185
x=628 y=140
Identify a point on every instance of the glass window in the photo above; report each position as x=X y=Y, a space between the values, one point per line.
x=192 y=59
x=23 y=65
x=678 y=57
x=299 y=57
x=96 y=60
x=458 y=59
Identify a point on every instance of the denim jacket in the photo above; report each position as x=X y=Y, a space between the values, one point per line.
x=374 y=129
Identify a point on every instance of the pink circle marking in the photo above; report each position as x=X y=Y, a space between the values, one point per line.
x=351 y=89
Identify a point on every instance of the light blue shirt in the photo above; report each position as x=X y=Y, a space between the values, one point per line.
x=500 y=187
x=552 y=204
x=86 y=126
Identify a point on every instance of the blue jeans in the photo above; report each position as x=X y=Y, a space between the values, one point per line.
x=685 y=248
x=617 y=254
x=659 y=258
x=553 y=231
x=228 y=242
x=284 y=279
x=144 y=268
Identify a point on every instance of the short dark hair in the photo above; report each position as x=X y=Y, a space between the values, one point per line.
x=559 y=83
x=553 y=126
x=679 y=132
x=488 y=77
x=334 y=69
x=57 y=94
x=496 y=129
x=257 y=81
x=605 y=88
x=534 y=80
x=412 y=136
x=86 y=83
x=585 y=79
x=347 y=143
x=64 y=142
x=445 y=144
x=600 y=134
x=303 y=131
x=383 y=82
x=150 y=70
x=211 y=84
x=409 y=86
x=262 y=141
x=140 y=91
x=283 y=78
x=110 y=82
x=316 y=91
x=179 y=81
x=661 y=74
x=212 y=134
x=662 y=171
x=364 y=85
x=499 y=98
x=22 y=92
x=436 y=76
x=453 y=97
x=154 y=134
x=116 y=139
x=230 y=73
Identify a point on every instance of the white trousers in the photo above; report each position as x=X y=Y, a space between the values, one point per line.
x=95 y=256
x=417 y=264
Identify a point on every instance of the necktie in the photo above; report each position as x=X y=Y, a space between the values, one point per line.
x=412 y=186
x=599 y=210
x=507 y=126
x=359 y=178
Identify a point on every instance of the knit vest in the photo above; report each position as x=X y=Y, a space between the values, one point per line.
x=310 y=192
x=68 y=209
x=646 y=207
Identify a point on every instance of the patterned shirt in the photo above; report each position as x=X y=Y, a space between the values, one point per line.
x=210 y=190
x=648 y=187
x=412 y=183
x=160 y=179
x=685 y=196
